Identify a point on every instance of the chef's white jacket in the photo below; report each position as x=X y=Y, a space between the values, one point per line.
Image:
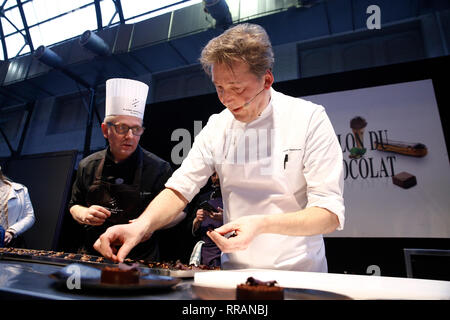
x=286 y=160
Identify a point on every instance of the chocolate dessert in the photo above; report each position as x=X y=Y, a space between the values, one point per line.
x=404 y=180
x=254 y=289
x=123 y=274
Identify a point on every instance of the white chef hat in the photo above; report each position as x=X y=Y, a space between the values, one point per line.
x=125 y=97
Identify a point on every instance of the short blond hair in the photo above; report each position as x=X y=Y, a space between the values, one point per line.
x=244 y=42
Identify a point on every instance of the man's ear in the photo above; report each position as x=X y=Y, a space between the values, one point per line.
x=105 y=130
x=268 y=79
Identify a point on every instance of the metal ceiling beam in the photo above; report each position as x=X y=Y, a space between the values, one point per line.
x=25 y=26
x=26 y=36
x=119 y=10
x=2 y=35
x=98 y=12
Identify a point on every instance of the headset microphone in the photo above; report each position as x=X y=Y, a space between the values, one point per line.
x=248 y=102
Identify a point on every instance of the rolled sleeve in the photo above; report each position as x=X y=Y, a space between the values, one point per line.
x=197 y=167
x=323 y=167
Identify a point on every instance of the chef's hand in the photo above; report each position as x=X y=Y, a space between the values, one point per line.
x=8 y=237
x=117 y=241
x=95 y=215
x=245 y=230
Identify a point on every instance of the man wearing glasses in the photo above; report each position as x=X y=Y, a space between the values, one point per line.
x=115 y=185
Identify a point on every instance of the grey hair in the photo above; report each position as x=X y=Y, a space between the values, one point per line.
x=113 y=119
x=109 y=119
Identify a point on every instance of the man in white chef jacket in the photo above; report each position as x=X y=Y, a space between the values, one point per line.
x=278 y=160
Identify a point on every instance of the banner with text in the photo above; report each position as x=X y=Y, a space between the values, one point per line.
x=396 y=165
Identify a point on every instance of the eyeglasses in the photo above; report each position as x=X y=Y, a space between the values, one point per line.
x=123 y=128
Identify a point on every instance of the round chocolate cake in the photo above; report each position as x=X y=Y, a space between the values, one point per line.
x=254 y=289
x=119 y=275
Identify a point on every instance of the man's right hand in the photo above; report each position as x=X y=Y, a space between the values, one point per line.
x=93 y=215
x=199 y=217
x=117 y=241
x=160 y=212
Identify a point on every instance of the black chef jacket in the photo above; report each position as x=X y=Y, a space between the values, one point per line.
x=155 y=173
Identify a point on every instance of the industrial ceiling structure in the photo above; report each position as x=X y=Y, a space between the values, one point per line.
x=95 y=40
x=96 y=46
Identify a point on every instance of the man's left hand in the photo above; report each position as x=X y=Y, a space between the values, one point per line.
x=245 y=229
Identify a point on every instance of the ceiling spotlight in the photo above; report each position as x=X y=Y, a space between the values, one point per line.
x=94 y=43
x=51 y=59
x=48 y=57
x=219 y=10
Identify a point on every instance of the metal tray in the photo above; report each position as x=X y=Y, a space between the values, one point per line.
x=63 y=259
x=174 y=273
x=52 y=257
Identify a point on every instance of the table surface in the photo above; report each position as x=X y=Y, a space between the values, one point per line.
x=32 y=281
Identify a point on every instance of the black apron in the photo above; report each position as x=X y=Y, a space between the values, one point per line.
x=125 y=202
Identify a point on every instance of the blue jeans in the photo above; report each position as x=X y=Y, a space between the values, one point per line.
x=2 y=237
